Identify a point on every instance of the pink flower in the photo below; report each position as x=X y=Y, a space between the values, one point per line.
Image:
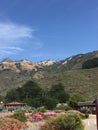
x=49 y=113
x=37 y=116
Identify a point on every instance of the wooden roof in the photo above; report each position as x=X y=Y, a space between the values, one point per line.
x=15 y=103
x=87 y=103
x=1 y=104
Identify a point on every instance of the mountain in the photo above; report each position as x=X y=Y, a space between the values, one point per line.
x=23 y=65
x=69 y=71
x=14 y=74
x=76 y=62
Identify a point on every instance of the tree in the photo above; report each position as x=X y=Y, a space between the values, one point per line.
x=91 y=63
x=50 y=103
x=58 y=91
x=29 y=93
x=12 y=95
x=31 y=89
x=2 y=98
x=74 y=99
x=63 y=97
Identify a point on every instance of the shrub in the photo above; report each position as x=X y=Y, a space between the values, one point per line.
x=50 y=126
x=37 y=117
x=50 y=103
x=11 y=124
x=90 y=63
x=86 y=115
x=20 y=115
x=63 y=107
x=41 y=109
x=68 y=121
x=30 y=111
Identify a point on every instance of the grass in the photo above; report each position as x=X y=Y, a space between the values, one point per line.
x=5 y=114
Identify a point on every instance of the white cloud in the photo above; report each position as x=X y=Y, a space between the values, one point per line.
x=12 y=48
x=15 y=38
x=10 y=31
x=7 y=51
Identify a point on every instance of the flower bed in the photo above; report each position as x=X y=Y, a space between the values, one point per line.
x=11 y=124
x=49 y=113
x=68 y=121
x=37 y=116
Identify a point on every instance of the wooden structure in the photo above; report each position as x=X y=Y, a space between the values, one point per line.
x=96 y=103
x=87 y=107
x=1 y=106
x=15 y=105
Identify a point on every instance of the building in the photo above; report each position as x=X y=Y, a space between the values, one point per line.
x=87 y=107
x=15 y=105
x=1 y=106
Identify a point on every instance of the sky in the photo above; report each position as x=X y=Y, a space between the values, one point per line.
x=39 y=30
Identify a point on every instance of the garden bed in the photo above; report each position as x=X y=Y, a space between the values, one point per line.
x=11 y=124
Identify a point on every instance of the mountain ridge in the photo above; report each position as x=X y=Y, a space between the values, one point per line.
x=69 y=71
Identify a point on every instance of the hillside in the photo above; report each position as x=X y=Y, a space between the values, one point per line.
x=69 y=71
x=83 y=82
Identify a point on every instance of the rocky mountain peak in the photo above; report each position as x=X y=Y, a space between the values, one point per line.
x=47 y=62
x=7 y=60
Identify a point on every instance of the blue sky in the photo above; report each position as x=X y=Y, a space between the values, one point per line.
x=47 y=29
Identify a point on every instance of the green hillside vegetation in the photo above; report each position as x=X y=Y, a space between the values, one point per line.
x=10 y=79
x=34 y=95
x=76 y=62
x=82 y=81
x=72 y=73
x=91 y=63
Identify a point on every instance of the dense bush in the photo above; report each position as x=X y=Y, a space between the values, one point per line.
x=91 y=63
x=74 y=99
x=68 y=121
x=64 y=107
x=41 y=109
x=84 y=116
x=50 y=103
x=20 y=115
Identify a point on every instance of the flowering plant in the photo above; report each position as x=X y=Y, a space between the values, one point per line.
x=49 y=113
x=11 y=124
x=37 y=116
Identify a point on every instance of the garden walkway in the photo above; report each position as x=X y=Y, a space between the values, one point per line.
x=90 y=123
